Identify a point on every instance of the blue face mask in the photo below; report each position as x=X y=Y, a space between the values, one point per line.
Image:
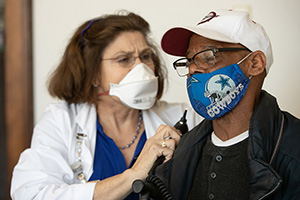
x=214 y=94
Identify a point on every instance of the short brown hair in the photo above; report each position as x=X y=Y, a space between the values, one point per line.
x=79 y=68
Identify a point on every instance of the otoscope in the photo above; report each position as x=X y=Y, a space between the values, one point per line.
x=153 y=187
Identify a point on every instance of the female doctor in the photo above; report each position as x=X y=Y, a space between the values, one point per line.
x=85 y=147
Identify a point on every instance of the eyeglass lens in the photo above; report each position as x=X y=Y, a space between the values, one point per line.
x=204 y=58
x=129 y=60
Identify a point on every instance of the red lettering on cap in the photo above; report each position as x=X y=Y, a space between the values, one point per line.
x=208 y=17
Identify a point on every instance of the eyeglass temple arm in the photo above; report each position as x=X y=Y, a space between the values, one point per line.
x=230 y=49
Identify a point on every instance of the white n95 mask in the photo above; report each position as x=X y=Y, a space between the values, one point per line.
x=138 y=89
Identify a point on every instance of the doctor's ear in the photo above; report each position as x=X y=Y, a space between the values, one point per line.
x=258 y=65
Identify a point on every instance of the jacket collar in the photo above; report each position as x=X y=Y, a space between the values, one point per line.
x=264 y=128
x=264 y=131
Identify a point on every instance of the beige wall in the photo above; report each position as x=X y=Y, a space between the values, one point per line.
x=54 y=22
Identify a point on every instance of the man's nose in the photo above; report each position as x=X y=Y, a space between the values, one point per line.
x=194 y=69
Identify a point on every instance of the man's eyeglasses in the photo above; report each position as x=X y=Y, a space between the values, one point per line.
x=127 y=60
x=206 y=57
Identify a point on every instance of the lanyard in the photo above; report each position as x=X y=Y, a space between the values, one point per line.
x=77 y=165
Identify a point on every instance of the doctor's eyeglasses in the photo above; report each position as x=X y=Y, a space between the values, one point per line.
x=127 y=59
x=206 y=57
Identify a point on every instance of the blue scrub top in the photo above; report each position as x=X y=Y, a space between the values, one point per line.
x=109 y=160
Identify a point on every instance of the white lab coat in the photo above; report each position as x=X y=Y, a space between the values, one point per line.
x=43 y=170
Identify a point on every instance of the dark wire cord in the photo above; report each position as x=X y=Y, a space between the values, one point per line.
x=163 y=190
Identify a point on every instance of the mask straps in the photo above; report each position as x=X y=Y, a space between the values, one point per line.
x=103 y=93
x=244 y=58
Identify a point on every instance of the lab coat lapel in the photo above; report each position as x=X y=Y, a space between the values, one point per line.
x=151 y=122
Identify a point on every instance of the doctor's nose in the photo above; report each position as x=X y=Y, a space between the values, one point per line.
x=137 y=60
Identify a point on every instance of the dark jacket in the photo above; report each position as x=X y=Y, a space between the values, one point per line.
x=273 y=151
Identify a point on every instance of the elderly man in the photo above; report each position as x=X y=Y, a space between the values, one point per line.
x=247 y=148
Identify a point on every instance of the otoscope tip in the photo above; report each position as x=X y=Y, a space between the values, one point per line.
x=184 y=114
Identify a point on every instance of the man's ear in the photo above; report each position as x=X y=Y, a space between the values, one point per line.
x=258 y=60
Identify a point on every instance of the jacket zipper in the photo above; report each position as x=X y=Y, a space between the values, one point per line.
x=270 y=191
x=275 y=150
x=278 y=140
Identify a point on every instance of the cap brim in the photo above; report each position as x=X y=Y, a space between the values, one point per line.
x=175 y=41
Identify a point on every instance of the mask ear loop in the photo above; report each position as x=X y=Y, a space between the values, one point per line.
x=103 y=93
x=245 y=59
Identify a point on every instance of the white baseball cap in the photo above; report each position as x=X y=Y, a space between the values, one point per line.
x=224 y=26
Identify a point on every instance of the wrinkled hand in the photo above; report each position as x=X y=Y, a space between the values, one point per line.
x=163 y=143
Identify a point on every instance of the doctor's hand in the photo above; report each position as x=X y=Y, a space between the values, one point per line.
x=163 y=143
